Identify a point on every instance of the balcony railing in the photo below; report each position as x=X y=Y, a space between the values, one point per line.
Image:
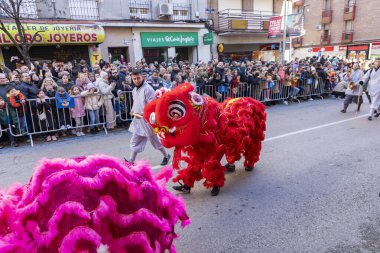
x=140 y=9
x=327 y=16
x=84 y=9
x=325 y=39
x=237 y=20
x=349 y=12
x=181 y=12
x=28 y=9
x=297 y=42
x=347 y=36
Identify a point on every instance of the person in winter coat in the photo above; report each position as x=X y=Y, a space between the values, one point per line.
x=45 y=116
x=17 y=101
x=92 y=101
x=106 y=91
x=63 y=104
x=65 y=82
x=4 y=124
x=78 y=111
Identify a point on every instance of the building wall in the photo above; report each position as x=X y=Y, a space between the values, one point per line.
x=263 y=5
x=365 y=25
x=117 y=37
x=228 y=4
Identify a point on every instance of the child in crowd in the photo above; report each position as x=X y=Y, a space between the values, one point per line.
x=78 y=111
x=45 y=116
x=63 y=100
x=17 y=101
x=93 y=102
x=4 y=121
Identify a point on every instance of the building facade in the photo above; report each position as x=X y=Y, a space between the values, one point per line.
x=241 y=27
x=128 y=30
x=346 y=28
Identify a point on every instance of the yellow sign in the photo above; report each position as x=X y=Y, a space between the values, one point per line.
x=239 y=24
x=55 y=33
x=95 y=54
x=220 y=48
x=1 y=58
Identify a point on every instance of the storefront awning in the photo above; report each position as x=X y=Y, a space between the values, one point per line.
x=56 y=33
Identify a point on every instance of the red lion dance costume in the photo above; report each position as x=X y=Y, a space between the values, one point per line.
x=203 y=130
x=78 y=205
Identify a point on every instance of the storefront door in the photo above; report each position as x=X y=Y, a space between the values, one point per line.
x=155 y=54
x=117 y=53
x=183 y=53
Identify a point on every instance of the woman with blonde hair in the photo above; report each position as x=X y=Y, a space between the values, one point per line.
x=106 y=89
x=82 y=81
x=49 y=81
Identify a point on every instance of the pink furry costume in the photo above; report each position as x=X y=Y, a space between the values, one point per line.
x=203 y=130
x=75 y=205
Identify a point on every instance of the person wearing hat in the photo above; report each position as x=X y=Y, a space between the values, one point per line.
x=141 y=131
x=371 y=82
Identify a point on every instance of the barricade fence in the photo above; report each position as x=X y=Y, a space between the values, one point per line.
x=47 y=117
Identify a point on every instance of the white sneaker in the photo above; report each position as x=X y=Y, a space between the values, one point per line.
x=78 y=134
x=286 y=103
x=310 y=99
x=68 y=126
x=62 y=127
x=82 y=134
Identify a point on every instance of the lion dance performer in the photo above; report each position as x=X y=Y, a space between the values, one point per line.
x=203 y=131
x=84 y=204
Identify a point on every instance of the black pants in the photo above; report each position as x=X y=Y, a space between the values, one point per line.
x=350 y=98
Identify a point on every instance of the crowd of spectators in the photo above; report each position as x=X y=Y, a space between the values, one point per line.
x=63 y=96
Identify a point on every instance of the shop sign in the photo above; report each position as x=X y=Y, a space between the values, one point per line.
x=55 y=34
x=323 y=49
x=170 y=39
x=274 y=27
x=376 y=45
x=342 y=48
x=95 y=55
x=358 y=52
x=220 y=48
x=208 y=38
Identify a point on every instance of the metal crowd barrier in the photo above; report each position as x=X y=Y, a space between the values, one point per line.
x=26 y=121
x=264 y=93
x=34 y=119
x=123 y=107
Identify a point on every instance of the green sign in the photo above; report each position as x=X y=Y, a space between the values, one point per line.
x=208 y=38
x=173 y=39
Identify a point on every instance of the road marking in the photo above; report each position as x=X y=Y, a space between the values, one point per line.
x=314 y=128
x=299 y=132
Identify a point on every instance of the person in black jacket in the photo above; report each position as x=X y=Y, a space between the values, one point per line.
x=28 y=88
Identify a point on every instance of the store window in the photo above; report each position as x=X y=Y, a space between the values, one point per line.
x=155 y=54
x=49 y=53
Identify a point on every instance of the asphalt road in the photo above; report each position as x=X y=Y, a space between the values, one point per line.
x=315 y=189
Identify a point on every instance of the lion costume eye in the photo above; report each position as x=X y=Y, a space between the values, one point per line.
x=152 y=118
x=176 y=110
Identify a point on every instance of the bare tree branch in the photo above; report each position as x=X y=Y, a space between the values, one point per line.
x=33 y=39
x=3 y=28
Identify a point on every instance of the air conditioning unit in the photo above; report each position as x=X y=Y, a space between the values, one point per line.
x=166 y=9
x=318 y=27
